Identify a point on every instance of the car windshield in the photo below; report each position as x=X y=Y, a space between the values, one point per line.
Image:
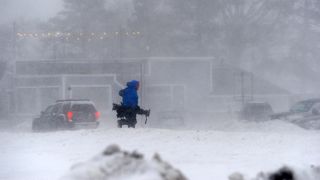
x=301 y=107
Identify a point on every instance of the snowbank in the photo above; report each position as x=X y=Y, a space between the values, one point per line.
x=115 y=164
x=284 y=173
x=210 y=153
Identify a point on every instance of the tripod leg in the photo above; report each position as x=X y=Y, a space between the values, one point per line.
x=119 y=124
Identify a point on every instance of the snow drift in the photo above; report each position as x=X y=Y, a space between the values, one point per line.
x=208 y=150
x=116 y=164
x=284 y=173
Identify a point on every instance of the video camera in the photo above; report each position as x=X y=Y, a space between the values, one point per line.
x=115 y=106
x=122 y=111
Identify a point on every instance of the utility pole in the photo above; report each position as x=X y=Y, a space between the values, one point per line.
x=12 y=69
x=305 y=43
x=246 y=83
x=242 y=87
x=55 y=48
x=14 y=41
x=252 y=85
x=120 y=39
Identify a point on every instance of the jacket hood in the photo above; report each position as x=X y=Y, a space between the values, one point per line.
x=133 y=84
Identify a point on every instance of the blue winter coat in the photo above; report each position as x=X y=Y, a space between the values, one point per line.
x=130 y=95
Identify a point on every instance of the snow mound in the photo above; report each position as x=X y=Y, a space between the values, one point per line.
x=116 y=164
x=284 y=173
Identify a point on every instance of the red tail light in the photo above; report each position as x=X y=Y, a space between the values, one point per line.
x=69 y=116
x=97 y=115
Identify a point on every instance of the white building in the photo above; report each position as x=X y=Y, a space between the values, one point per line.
x=202 y=84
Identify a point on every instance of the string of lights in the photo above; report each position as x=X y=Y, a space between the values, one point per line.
x=77 y=36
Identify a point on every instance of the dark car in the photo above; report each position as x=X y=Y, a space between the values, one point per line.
x=67 y=114
x=301 y=109
x=255 y=111
x=304 y=113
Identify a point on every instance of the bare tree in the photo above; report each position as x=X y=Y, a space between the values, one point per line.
x=80 y=30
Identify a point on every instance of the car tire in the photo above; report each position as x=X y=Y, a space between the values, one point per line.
x=96 y=126
x=59 y=123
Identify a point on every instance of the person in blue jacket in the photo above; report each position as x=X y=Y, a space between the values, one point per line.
x=129 y=105
x=130 y=95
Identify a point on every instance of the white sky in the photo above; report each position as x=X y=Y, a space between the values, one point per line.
x=11 y=10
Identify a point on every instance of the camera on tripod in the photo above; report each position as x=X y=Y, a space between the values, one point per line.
x=122 y=111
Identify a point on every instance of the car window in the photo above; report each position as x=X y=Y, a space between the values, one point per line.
x=316 y=108
x=83 y=108
x=301 y=107
x=257 y=108
x=49 y=109
x=60 y=109
x=56 y=108
x=65 y=108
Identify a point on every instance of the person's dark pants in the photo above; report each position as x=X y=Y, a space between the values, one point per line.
x=128 y=115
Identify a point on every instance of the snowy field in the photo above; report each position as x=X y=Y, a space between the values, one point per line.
x=201 y=154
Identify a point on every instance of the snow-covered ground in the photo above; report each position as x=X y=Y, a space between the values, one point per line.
x=200 y=153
